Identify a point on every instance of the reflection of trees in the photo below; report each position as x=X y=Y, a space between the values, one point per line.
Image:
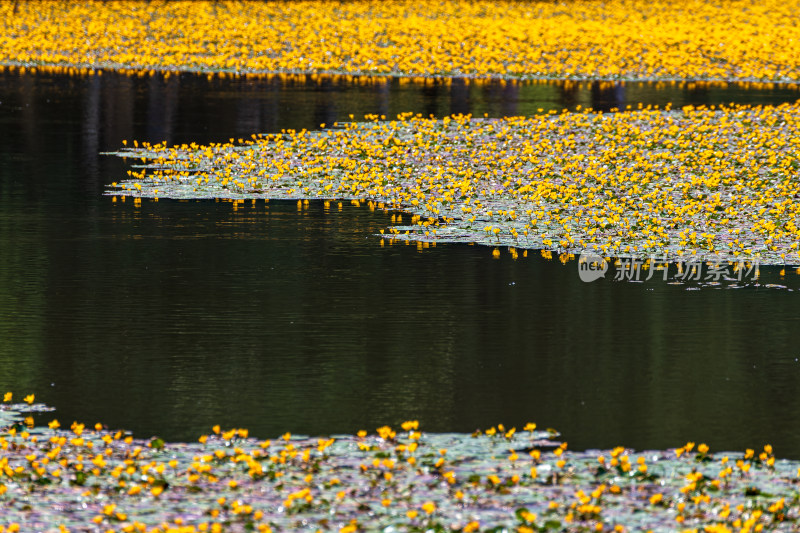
x=459 y=98
x=24 y=87
x=383 y=98
x=91 y=130
x=509 y=99
x=325 y=104
x=568 y=93
x=431 y=98
x=162 y=103
x=501 y=98
x=120 y=100
x=607 y=95
x=698 y=93
x=531 y=98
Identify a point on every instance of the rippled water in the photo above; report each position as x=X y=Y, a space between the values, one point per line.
x=172 y=316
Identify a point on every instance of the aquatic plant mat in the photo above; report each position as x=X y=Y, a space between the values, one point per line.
x=718 y=185
x=618 y=39
x=95 y=479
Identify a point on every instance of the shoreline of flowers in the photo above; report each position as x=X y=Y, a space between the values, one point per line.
x=77 y=477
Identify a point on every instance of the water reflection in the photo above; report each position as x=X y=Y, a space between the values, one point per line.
x=170 y=107
x=168 y=317
x=162 y=104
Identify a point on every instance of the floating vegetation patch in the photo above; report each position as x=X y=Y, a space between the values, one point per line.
x=714 y=184
x=78 y=478
x=618 y=39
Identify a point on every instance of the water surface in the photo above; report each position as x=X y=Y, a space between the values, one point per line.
x=169 y=317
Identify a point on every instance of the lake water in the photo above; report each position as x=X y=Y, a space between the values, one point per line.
x=169 y=317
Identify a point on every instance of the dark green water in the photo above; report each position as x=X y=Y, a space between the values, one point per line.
x=170 y=317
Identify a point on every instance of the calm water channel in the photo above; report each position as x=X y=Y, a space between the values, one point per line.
x=170 y=317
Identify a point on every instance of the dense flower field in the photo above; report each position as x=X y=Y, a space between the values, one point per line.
x=90 y=478
x=715 y=184
x=618 y=39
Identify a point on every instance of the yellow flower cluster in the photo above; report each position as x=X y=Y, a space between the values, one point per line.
x=709 y=183
x=93 y=479
x=645 y=39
